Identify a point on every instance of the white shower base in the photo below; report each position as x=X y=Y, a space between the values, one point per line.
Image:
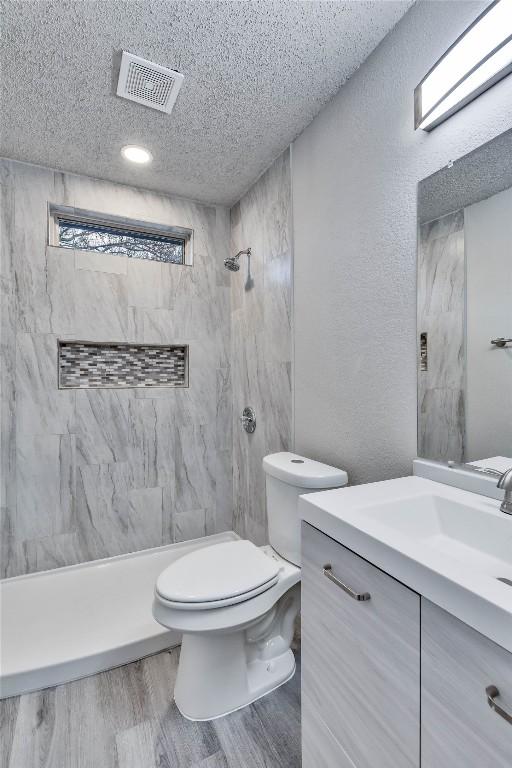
x=71 y=622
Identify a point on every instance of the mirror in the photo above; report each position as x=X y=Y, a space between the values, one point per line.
x=464 y=307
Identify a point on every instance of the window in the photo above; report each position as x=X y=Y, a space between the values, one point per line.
x=136 y=240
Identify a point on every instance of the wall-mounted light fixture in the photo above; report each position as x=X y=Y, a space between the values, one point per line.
x=480 y=57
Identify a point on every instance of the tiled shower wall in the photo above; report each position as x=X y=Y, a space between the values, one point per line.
x=92 y=473
x=441 y=400
x=261 y=300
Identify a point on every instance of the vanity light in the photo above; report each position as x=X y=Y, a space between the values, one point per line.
x=136 y=154
x=480 y=57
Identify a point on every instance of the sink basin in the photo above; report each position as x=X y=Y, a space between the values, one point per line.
x=451 y=546
x=472 y=535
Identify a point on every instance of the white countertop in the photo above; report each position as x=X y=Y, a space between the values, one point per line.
x=459 y=576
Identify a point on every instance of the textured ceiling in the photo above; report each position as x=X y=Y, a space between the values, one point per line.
x=256 y=73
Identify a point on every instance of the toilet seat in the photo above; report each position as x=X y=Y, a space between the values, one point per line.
x=218 y=576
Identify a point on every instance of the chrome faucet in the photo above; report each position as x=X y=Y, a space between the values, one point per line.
x=505 y=482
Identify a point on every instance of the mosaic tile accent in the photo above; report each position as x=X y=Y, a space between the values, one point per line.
x=89 y=365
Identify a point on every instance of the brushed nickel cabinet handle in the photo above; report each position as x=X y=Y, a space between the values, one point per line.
x=354 y=595
x=492 y=694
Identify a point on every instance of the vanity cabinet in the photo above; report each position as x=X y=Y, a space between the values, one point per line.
x=458 y=664
x=372 y=650
x=361 y=661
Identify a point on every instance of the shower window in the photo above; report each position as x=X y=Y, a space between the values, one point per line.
x=133 y=239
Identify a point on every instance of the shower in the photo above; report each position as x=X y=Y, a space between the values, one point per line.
x=232 y=262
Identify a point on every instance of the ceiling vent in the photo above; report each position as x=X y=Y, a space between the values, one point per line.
x=148 y=83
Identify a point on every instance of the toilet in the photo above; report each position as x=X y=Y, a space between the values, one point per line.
x=235 y=603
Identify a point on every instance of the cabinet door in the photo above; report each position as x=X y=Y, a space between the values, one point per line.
x=320 y=749
x=459 y=728
x=361 y=659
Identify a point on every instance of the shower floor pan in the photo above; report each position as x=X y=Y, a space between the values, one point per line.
x=71 y=622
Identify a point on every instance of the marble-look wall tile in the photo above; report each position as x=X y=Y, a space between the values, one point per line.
x=224 y=413
x=34 y=187
x=192 y=525
x=17 y=557
x=7 y=412
x=152 y=442
x=158 y=324
x=261 y=346
x=102 y=426
x=197 y=404
x=222 y=243
x=441 y=315
x=53 y=552
x=61 y=289
x=195 y=467
x=7 y=391
x=45 y=475
x=8 y=317
x=95 y=473
x=112 y=516
x=14 y=557
x=101 y=262
x=222 y=512
x=145 y=283
x=87 y=305
x=7 y=522
x=442 y=424
x=7 y=274
x=445 y=333
x=41 y=408
x=64 y=519
x=277 y=305
x=168 y=512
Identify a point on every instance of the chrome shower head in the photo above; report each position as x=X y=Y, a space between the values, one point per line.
x=233 y=262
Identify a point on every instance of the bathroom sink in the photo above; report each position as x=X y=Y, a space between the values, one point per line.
x=453 y=547
x=468 y=534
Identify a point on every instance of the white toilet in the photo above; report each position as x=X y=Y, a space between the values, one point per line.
x=236 y=603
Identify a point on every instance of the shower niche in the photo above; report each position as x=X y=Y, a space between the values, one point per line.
x=116 y=365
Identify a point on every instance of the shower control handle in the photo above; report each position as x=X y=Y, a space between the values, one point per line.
x=248 y=419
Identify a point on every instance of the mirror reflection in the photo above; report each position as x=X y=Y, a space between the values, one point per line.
x=465 y=308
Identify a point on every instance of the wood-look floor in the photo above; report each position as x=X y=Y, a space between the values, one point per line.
x=126 y=718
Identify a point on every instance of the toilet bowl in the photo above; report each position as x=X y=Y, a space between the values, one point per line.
x=236 y=644
x=235 y=603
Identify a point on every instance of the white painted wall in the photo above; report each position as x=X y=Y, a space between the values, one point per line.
x=355 y=171
x=488 y=249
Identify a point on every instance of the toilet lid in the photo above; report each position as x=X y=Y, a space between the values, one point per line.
x=222 y=572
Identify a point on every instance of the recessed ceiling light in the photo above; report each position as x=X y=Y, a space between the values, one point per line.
x=136 y=154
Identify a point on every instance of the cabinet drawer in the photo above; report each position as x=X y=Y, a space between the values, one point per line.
x=361 y=659
x=459 y=729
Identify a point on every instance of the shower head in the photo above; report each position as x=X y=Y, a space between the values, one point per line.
x=233 y=262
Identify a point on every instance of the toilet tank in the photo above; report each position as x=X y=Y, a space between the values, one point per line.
x=289 y=476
